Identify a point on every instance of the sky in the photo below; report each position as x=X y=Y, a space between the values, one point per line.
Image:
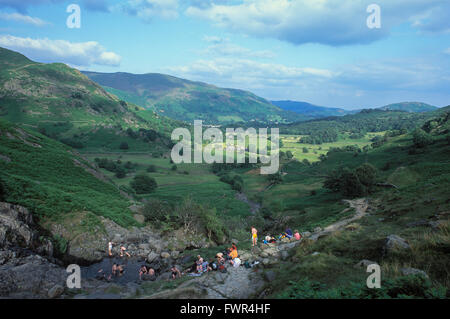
x=319 y=51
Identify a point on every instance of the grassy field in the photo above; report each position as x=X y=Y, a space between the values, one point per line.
x=290 y=143
x=189 y=180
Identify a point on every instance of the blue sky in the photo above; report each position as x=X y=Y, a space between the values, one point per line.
x=319 y=51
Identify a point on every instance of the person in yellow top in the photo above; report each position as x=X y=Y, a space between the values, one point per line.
x=254 y=236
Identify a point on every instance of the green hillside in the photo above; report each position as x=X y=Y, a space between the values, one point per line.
x=188 y=101
x=62 y=103
x=409 y=107
x=54 y=181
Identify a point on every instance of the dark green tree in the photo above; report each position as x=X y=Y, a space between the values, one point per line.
x=421 y=138
x=124 y=146
x=143 y=184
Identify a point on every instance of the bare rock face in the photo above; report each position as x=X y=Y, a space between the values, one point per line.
x=15 y=227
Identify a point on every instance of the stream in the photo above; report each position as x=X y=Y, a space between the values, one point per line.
x=254 y=206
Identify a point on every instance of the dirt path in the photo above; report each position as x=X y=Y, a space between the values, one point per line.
x=360 y=205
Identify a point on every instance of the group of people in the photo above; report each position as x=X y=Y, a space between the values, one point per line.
x=287 y=234
x=200 y=266
x=218 y=263
x=123 y=250
x=147 y=273
x=117 y=270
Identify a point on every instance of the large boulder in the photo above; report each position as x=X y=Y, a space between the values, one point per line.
x=152 y=257
x=413 y=271
x=31 y=277
x=394 y=242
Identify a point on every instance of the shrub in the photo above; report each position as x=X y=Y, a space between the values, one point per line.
x=120 y=172
x=151 y=169
x=143 y=184
x=156 y=212
x=124 y=146
x=421 y=138
x=174 y=168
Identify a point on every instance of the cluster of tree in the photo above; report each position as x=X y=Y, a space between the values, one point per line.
x=191 y=216
x=352 y=183
x=421 y=138
x=143 y=184
x=72 y=143
x=144 y=134
x=358 y=124
x=117 y=167
x=276 y=178
x=236 y=182
x=320 y=136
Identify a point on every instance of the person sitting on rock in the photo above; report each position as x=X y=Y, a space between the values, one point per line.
x=175 y=272
x=288 y=233
x=297 y=235
x=233 y=252
x=199 y=263
x=123 y=250
x=220 y=259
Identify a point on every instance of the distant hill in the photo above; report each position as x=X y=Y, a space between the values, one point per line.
x=416 y=107
x=188 y=100
x=329 y=129
x=64 y=104
x=310 y=110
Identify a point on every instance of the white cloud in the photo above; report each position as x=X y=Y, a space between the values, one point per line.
x=18 y=17
x=360 y=85
x=74 y=53
x=248 y=73
x=229 y=49
x=331 y=22
x=147 y=10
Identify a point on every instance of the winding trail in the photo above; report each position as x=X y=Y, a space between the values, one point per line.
x=360 y=205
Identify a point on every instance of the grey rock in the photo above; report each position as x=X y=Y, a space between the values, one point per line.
x=413 y=271
x=55 y=292
x=395 y=242
x=165 y=255
x=306 y=234
x=152 y=257
x=269 y=275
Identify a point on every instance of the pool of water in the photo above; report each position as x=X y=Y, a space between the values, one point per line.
x=130 y=274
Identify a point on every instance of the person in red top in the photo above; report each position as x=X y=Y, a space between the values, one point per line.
x=297 y=235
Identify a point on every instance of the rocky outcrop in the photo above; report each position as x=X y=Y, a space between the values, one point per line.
x=23 y=272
